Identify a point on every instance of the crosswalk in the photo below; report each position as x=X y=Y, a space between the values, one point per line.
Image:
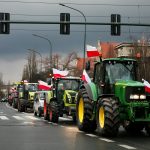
x=19 y=117
x=28 y=117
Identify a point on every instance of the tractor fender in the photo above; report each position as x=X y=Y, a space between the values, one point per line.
x=91 y=90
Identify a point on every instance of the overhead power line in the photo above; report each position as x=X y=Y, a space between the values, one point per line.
x=91 y=4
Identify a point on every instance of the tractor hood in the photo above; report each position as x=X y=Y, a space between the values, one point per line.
x=31 y=95
x=69 y=96
x=124 y=83
x=70 y=92
x=126 y=90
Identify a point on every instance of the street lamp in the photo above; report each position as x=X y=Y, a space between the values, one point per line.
x=84 y=29
x=50 y=44
x=37 y=53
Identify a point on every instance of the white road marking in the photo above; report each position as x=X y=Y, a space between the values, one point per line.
x=106 y=140
x=91 y=135
x=31 y=117
x=1 y=112
x=127 y=146
x=29 y=123
x=55 y=124
x=4 y=118
x=18 y=118
x=65 y=119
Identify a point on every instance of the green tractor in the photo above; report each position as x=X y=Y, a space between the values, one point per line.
x=26 y=93
x=113 y=98
x=63 y=98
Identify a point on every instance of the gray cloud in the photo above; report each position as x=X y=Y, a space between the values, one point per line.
x=13 y=47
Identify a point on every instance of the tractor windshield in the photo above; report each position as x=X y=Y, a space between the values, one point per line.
x=119 y=71
x=69 y=85
x=31 y=87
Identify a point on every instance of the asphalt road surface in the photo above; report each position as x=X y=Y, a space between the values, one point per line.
x=23 y=131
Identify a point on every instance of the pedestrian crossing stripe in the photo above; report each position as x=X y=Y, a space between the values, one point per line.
x=31 y=117
x=4 y=118
x=25 y=117
x=18 y=117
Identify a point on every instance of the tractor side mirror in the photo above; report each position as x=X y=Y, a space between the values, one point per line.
x=88 y=65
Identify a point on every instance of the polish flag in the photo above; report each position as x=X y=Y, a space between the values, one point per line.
x=43 y=85
x=85 y=77
x=92 y=51
x=147 y=86
x=58 y=74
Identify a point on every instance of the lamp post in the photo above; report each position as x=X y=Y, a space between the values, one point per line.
x=37 y=53
x=84 y=29
x=50 y=45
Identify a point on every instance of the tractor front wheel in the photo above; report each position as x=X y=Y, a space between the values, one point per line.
x=107 y=117
x=84 y=112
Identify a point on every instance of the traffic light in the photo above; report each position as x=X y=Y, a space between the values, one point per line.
x=115 y=28
x=64 y=27
x=4 y=27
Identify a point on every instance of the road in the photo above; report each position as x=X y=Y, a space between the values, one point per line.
x=23 y=131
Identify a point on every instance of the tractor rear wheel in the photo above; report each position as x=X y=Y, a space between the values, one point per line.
x=107 y=117
x=53 y=112
x=45 y=111
x=84 y=112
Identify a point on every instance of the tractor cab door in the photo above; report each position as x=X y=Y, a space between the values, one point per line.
x=60 y=90
x=101 y=79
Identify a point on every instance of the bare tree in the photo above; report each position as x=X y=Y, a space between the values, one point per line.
x=30 y=70
x=141 y=51
x=25 y=74
x=69 y=59
x=1 y=85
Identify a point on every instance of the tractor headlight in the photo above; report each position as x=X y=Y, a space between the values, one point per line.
x=134 y=96
x=142 y=96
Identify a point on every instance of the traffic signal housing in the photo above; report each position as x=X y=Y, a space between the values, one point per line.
x=64 y=27
x=4 y=27
x=115 y=28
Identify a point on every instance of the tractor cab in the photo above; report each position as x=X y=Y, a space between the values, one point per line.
x=67 y=86
x=109 y=71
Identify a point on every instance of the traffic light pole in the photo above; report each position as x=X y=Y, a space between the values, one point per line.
x=84 y=47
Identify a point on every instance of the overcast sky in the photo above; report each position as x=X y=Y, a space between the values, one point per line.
x=13 y=47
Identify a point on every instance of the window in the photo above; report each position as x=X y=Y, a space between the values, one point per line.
x=119 y=71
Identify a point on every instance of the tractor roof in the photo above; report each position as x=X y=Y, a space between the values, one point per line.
x=70 y=77
x=119 y=59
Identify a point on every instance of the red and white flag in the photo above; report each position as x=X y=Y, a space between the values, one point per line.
x=58 y=74
x=147 y=85
x=43 y=85
x=85 y=77
x=92 y=51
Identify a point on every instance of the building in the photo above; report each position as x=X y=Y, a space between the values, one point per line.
x=107 y=49
x=133 y=50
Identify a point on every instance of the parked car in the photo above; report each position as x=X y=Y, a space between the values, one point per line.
x=39 y=102
x=4 y=99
